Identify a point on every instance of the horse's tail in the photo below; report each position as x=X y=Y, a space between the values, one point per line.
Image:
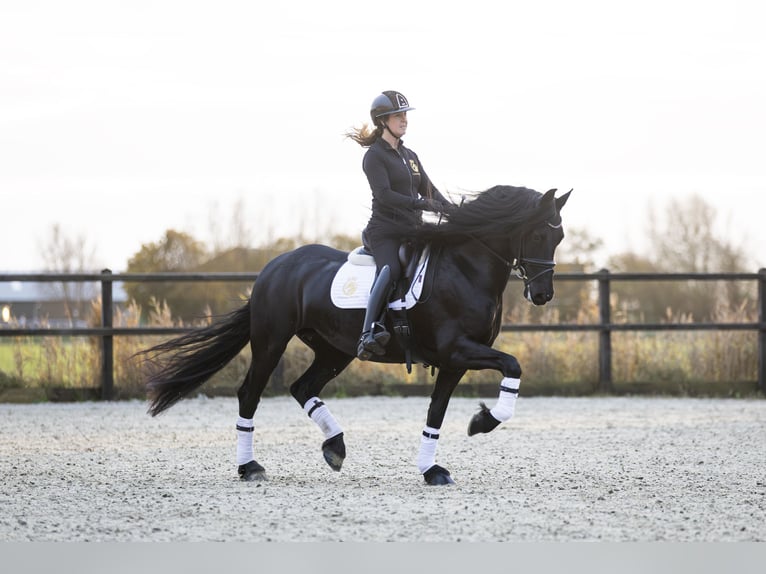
x=180 y=365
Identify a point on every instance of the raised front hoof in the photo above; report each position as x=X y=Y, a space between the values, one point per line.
x=251 y=471
x=437 y=476
x=334 y=451
x=482 y=422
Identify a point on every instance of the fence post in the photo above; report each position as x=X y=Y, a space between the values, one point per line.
x=107 y=341
x=605 y=334
x=762 y=330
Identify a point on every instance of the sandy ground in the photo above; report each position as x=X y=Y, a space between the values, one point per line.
x=613 y=469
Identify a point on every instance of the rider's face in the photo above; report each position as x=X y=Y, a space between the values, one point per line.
x=397 y=123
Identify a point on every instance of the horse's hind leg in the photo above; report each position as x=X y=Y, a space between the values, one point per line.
x=328 y=363
x=446 y=381
x=265 y=359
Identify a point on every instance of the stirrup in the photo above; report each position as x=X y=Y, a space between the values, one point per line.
x=380 y=334
x=373 y=342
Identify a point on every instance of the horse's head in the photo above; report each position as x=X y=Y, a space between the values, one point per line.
x=534 y=261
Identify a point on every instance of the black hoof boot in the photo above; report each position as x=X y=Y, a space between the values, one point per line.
x=483 y=421
x=334 y=451
x=251 y=471
x=437 y=475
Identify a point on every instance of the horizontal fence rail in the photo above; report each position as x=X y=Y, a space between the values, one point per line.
x=605 y=327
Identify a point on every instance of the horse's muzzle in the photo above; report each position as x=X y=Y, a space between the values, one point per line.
x=540 y=297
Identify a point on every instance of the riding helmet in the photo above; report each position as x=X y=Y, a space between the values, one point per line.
x=387 y=103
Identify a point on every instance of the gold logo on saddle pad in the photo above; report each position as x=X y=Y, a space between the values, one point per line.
x=349 y=287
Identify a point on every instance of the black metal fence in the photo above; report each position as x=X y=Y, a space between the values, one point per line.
x=605 y=327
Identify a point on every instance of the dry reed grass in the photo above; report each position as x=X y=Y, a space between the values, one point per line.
x=670 y=362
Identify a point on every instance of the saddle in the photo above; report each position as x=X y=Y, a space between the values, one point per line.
x=413 y=259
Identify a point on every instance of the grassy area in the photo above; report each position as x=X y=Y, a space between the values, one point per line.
x=46 y=361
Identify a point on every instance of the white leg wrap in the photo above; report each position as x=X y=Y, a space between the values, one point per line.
x=506 y=401
x=244 y=440
x=321 y=415
x=427 y=453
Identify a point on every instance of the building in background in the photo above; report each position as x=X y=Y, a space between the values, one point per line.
x=30 y=304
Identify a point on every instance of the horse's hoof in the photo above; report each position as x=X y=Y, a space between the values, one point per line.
x=483 y=421
x=436 y=475
x=251 y=471
x=334 y=451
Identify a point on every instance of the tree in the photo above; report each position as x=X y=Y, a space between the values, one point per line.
x=234 y=234
x=181 y=252
x=62 y=253
x=684 y=240
x=176 y=251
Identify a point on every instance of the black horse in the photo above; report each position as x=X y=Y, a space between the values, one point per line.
x=500 y=230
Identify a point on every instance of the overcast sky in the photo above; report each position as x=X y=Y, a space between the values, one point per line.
x=119 y=120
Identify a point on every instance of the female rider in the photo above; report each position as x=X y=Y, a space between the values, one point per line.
x=401 y=190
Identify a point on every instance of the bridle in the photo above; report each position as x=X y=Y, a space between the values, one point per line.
x=518 y=265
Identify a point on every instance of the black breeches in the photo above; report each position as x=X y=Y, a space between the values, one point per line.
x=386 y=252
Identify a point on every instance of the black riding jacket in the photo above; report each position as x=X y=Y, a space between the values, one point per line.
x=398 y=182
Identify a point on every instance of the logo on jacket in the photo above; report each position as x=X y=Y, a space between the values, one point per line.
x=414 y=166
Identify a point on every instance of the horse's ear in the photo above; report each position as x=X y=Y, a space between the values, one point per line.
x=548 y=196
x=561 y=201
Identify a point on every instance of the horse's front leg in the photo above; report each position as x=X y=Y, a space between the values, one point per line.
x=475 y=356
x=446 y=382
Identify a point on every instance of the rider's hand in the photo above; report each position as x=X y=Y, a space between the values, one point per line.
x=445 y=207
x=433 y=205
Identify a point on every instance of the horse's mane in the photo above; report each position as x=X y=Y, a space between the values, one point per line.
x=498 y=211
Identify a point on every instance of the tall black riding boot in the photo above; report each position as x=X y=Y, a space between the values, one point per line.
x=374 y=335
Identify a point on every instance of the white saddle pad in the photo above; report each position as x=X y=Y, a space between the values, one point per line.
x=352 y=284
